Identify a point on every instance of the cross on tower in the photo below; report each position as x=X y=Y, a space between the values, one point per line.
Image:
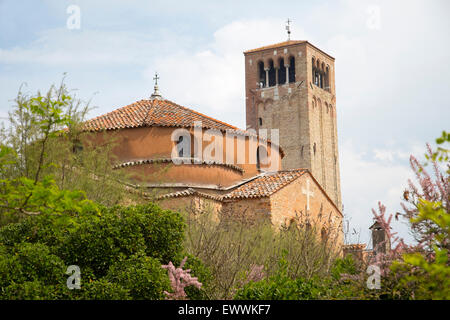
x=156 y=78
x=308 y=194
x=288 y=28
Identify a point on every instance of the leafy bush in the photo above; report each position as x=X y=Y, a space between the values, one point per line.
x=142 y=276
x=30 y=262
x=204 y=275
x=346 y=265
x=119 y=250
x=281 y=287
x=99 y=290
x=31 y=290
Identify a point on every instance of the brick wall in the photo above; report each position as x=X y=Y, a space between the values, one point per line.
x=304 y=113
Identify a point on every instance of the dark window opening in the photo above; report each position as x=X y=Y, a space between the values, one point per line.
x=281 y=72
x=320 y=75
x=314 y=148
x=262 y=74
x=272 y=76
x=291 y=69
x=260 y=121
x=180 y=146
x=258 y=160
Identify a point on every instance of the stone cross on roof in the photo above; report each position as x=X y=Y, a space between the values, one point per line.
x=156 y=94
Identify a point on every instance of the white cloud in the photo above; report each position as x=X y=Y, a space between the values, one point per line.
x=211 y=78
x=367 y=178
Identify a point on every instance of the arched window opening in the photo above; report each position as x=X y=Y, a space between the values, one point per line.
x=318 y=74
x=281 y=72
x=314 y=148
x=258 y=160
x=260 y=121
x=327 y=78
x=272 y=76
x=262 y=75
x=291 y=69
x=180 y=146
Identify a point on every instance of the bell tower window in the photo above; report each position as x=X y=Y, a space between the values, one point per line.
x=261 y=74
x=272 y=80
x=281 y=71
x=291 y=69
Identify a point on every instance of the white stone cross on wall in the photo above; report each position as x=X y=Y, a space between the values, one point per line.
x=308 y=194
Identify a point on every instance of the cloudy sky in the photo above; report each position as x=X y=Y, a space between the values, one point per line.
x=392 y=69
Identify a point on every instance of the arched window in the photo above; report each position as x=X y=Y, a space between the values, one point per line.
x=180 y=146
x=260 y=121
x=327 y=78
x=258 y=160
x=262 y=74
x=281 y=72
x=314 y=148
x=291 y=69
x=272 y=80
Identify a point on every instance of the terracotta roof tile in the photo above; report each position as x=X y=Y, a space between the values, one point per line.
x=158 y=113
x=265 y=185
x=154 y=112
x=193 y=161
x=276 y=45
x=189 y=192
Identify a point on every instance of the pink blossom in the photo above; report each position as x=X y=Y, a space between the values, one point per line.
x=179 y=279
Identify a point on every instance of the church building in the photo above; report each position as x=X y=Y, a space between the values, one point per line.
x=284 y=165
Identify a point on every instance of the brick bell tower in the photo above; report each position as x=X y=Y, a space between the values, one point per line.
x=290 y=86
